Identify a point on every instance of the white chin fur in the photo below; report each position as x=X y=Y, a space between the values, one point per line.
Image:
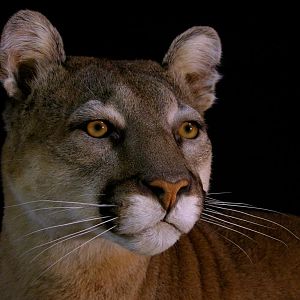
x=142 y=230
x=152 y=241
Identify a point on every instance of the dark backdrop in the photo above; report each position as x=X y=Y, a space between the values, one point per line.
x=254 y=124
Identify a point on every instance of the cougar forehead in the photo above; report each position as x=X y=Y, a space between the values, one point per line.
x=129 y=87
x=137 y=97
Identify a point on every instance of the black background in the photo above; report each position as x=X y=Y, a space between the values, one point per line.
x=254 y=124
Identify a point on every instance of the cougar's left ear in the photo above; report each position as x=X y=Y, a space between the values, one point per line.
x=29 y=45
x=191 y=60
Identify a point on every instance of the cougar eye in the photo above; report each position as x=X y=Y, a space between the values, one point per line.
x=97 y=128
x=188 y=130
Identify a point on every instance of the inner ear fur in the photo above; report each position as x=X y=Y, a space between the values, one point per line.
x=29 y=43
x=192 y=60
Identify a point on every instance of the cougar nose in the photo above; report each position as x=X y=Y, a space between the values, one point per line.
x=167 y=191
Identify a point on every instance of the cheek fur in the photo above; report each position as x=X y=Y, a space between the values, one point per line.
x=186 y=213
x=141 y=213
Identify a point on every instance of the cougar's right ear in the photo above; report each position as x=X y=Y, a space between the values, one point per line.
x=29 y=44
x=192 y=60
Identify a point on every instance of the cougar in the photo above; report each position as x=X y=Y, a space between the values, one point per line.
x=106 y=169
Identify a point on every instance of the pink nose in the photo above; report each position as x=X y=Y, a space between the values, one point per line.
x=167 y=191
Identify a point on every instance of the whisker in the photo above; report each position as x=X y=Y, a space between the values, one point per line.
x=60 y=225
x=57 y=201
x=93 y=94
x=46 y=208
x=210 y=200
x=213 y=200
x=72 y=251
x=68 y=237
x=226 y=238
x=229 y=216
x=65 y=236
x=240 y=205
x=207 y=220
x=246 y=228
x=243 y=205
x=257 y=217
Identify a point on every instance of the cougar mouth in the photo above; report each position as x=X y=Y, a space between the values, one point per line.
x=150 y=241
x=142 y=223
x=145 y=227
x=173 y=225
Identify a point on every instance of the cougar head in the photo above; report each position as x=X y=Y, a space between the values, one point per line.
x=122 y=144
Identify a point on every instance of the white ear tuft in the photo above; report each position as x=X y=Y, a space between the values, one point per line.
x=28 y=44
x=192 y=59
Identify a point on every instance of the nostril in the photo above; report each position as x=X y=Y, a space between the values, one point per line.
x=184 y=189
x=167 y=192
x=156 y=190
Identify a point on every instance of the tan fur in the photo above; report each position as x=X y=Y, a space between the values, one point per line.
x=149 y=250
x=192 y=58
x=41 y=41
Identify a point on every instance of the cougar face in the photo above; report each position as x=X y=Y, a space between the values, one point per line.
x=107 y=163
x=125 y=142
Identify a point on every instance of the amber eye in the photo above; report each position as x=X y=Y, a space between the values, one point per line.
x=188 y=130
x=97 y=129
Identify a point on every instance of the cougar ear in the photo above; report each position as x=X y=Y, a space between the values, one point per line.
x=29 y=44
x=191 y=60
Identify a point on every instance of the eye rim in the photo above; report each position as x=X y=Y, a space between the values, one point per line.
x=195 y=125
x=106 y=133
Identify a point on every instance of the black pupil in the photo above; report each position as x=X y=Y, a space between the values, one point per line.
x=98 y=126
x=188 y=128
